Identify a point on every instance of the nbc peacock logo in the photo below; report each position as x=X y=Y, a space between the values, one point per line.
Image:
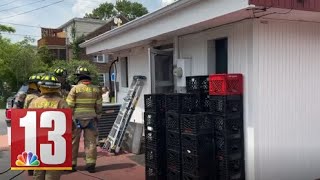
x=27 y=159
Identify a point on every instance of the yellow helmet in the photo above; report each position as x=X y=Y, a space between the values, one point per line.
x=35 y=78
x=62 y=72
x=49 y=81
x=82 y=71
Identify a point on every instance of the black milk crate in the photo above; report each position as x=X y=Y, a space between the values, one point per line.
x=195 y=144
x=173 y=140
x=154 y=102
x=230 y=168
x=228 y=126
x=205 y=102
x=155 y=158
x=190 y=103
x=154 y=121
x=173 y=120
x=186 y=176
x=174 y=160
x=173 y=174
x=173 y=102
x=153 y=173
x=225 y=146
x=198 y=165
x=196 y=123
x=183 y=102
x=198 y=84
x=226 y=105
x=155 y=140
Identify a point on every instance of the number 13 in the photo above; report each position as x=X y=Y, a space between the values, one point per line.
x=29 y=122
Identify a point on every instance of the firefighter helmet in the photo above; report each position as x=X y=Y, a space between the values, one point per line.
x=49 y=81
x=35 y=78
x=62 y=72
x=82 y=71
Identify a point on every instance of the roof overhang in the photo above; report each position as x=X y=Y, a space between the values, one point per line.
x=178 y=16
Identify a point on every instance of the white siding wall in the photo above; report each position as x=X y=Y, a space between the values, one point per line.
x=285 y=110
x=240 y=39
x=138 y=64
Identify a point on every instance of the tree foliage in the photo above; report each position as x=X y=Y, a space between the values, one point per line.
x=8 y=29
x=18 y=61
x=72 y=65
x=45 y=55
x=76 y=41
x=127 y=8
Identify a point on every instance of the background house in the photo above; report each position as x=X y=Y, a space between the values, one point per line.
x=100 y=59
x=76 y=28
x=274 y=44
x=54 y=40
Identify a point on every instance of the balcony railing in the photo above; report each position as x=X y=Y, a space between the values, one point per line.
x=51 y=41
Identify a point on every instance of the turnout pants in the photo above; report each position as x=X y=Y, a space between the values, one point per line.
x=90 y=133
x=46 y=175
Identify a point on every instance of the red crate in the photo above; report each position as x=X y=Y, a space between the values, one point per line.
x=225 y=84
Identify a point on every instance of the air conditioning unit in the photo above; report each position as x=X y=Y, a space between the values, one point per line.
x=101 y=58
x=182 y=70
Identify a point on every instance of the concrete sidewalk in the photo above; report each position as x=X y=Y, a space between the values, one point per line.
x=109 y=167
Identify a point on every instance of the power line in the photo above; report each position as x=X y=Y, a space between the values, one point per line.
x=17 y=24
x=19 y=34
x=21 y=6
x=7 y=3
x=32 y=10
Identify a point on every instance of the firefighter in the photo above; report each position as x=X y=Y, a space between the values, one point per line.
x=33 y=89
x=86 y=101
x=62 y=74
x=32 y=93
x=50 y=98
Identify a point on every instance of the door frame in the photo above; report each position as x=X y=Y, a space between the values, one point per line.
x=151 y=55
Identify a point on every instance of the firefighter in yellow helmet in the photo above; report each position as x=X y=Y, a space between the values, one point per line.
x=50 y=98
x=33 y=89
x=86 y=101
x=62 y=74
x=32 y=93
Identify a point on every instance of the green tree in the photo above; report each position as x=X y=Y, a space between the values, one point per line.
x=18 y=61
x=45 y=55
x=8 y=29
x=105 y=10
x=71 y=67
x=127 y=8
x=76 y=41
x=131 y=10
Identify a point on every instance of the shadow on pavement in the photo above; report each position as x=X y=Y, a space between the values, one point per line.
x=110 y=167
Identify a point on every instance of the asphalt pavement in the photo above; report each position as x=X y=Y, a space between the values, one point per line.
x=5 y=154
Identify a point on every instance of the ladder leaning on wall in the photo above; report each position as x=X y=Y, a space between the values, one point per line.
x=117 y=132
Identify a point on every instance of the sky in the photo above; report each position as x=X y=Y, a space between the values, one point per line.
x=51 y=14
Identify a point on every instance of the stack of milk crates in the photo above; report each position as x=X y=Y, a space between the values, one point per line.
x=196 y=132
x=155 y=137
x=190 y=152
x=226 y=103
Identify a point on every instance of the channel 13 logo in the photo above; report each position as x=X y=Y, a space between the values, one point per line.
x=41 y=139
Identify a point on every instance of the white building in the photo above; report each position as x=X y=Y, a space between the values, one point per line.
x=276 y=49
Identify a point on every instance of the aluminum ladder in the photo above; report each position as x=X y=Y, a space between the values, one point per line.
x=117 y=132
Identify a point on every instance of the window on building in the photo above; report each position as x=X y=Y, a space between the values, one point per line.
x=102 y=78
x=124 y=72
x=100 y=58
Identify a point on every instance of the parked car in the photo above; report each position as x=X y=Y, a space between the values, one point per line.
x=10 y=101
